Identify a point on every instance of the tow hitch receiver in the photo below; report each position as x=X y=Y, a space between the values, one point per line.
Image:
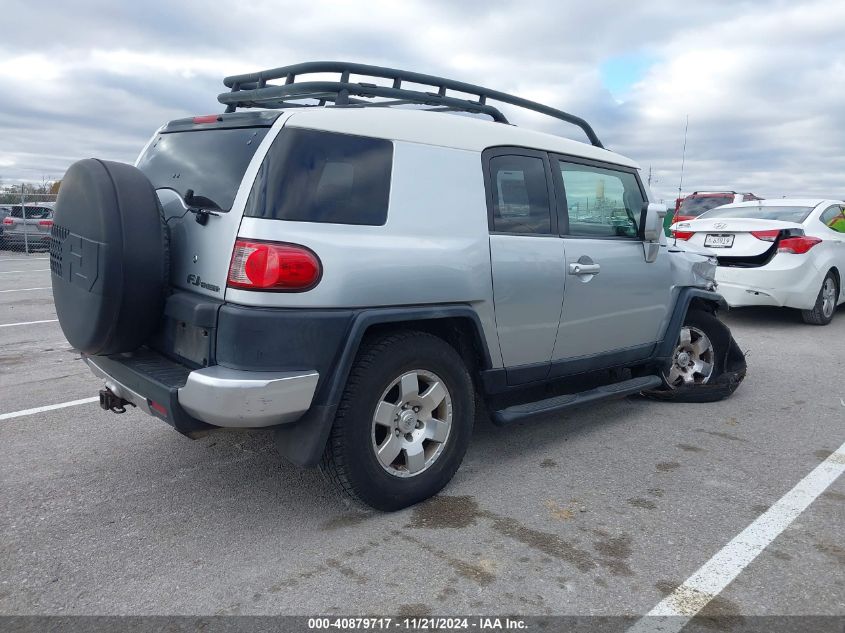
x=112 y=402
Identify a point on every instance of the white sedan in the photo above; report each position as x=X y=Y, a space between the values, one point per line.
x=782 y=252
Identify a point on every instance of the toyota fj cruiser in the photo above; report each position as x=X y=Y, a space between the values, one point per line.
x=357 y=276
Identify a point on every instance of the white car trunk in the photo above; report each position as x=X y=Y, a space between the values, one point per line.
x=734 y=237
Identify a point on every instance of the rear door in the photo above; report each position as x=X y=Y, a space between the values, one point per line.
x=615 y=302
x=216 y=159
x=527 y=258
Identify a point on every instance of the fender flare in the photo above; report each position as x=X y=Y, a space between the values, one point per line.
x=303 y=441
x=687 y=297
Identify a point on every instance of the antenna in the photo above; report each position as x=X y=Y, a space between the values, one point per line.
x=683 y=158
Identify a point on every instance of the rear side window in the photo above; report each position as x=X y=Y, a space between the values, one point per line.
x=32 y=213
x=313 y=176
x=520 y=195
x=211 y=162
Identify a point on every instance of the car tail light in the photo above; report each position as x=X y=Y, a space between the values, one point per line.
x=208 y=118
x=797 y=245
x=273 y=266
x=682 y=235
x=8 y=221
x=766 y=236
x=45 y=223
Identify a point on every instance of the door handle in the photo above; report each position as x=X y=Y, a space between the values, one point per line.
x=584 y=269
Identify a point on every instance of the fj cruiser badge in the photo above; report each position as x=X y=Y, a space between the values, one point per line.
x=195 y=280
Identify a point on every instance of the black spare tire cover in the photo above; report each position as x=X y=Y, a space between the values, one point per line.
x=108 y=257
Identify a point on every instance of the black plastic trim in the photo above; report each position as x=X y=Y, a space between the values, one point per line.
x=122 y=371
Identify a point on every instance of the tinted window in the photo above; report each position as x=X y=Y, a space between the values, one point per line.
x=34 y=213
x=696 y=205
x=761 y=212
x=311 y=176
x=833 y=218
x=601 y=202
x=520 y=195
x=211 y=162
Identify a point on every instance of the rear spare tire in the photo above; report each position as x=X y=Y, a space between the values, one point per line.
x=108 y=257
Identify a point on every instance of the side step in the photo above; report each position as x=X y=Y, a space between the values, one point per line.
x=528 y=410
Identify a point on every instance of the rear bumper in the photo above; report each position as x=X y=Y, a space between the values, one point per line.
x=786 y=281
x=18 y=239
x=217 y=396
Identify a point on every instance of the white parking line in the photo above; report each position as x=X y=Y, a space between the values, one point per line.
x=34 y=270
x=675 y=610
x=28 y=322
x=49 y=407
x=23 y=289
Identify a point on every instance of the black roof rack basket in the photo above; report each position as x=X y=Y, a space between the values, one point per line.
x=253 y=91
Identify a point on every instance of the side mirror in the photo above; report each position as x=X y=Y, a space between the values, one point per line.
x=653 y=228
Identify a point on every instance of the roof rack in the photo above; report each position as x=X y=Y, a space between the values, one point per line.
x=252 y=91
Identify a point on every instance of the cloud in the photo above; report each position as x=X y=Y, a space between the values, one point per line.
x=763 y=82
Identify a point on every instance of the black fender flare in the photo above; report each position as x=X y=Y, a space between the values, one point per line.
x=303 y=441
x=687 y=297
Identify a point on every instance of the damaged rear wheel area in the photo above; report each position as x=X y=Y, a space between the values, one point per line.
x=706 y=364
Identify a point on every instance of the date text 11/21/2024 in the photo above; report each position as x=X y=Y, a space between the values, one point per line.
x=418 y=623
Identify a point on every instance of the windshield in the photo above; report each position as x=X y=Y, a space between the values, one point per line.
x=696 y=205
x=211 y=162
x=784 y=214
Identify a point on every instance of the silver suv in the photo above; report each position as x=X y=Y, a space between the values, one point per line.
x=357 y=276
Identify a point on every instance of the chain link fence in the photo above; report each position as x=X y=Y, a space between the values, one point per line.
x=26 y=220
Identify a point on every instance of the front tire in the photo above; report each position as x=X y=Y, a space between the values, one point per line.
x=822 y=312
x=404 y=421
x=699 y=354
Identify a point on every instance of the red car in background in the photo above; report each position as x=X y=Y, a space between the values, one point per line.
x=698 y=202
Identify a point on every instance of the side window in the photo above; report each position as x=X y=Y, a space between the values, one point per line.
x=313 y=176
x=520 y=195
x=601 y=202
x=834 y=219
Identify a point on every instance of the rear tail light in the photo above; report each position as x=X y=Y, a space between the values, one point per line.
x=682 y=235
x=797 y=245
x=8 y=221
x=208 y=118
x=273 y=266
x=766 y=236
x=45 y=223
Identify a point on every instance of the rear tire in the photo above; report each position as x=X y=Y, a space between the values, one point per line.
x=397 y=439
x=822 y=313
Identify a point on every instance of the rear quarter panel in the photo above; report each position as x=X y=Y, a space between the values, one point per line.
x=433 y=249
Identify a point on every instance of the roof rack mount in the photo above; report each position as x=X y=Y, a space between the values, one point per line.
x=252 y=91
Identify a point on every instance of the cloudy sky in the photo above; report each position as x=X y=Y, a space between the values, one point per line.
x=763 y=82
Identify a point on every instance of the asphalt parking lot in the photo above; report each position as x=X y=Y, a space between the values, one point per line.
x=602 y=511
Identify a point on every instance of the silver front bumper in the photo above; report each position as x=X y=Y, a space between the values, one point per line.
x=231 y=397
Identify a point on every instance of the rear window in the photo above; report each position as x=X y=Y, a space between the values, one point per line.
x=696 y=205
x=34 y=213
x=784 y=214
x=211 y=162
x=313 y=176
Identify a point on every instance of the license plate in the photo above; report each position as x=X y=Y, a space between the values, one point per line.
x=717 y=240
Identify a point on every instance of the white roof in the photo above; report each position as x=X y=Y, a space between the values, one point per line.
x=444 y=130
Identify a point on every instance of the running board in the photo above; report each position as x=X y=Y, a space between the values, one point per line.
x=528 y=410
